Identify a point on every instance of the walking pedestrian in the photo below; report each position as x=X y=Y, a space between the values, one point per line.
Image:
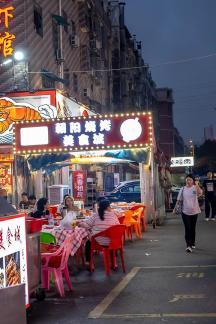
x=209 y=186
x=188 y=197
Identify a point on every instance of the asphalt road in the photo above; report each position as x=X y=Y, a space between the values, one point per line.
x=163 y=283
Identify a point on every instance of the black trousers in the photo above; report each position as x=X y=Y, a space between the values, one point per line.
x=210 y=201
x=190 y=228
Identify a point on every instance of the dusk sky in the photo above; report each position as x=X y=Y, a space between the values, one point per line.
x=175 y=30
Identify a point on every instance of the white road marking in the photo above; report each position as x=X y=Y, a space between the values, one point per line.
x=98 y=311
x=190 y=275
x=181 y=266
x=185 y=296
x=160 y=315
x=100 y=308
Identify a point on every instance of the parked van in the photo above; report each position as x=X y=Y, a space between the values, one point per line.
x=127 y=191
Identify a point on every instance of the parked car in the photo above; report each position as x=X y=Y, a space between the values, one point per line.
x=127 y=191
x=174 y=192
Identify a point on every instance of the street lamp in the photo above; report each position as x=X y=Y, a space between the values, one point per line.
x=19 y=55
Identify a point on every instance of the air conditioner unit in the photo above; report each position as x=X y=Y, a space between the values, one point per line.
x=56 y=193
x=74 y=40
x=86 y=92
x=98 y=44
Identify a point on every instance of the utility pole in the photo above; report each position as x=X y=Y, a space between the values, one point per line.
x=191 y=150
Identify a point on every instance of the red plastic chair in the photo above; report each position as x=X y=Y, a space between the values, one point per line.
x=57 y=263
x=115 y=234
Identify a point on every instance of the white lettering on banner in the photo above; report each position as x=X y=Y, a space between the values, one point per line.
x=80 y=188
x=13 y=256
x=182 y=161
x=79 y=181
x=68 y=140
x=105 y=125
x=75 y=127
x=83 y=139
x=98 y=138
x=90 y=126
x=60 y=128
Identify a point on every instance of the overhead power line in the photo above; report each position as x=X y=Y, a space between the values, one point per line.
x=192 y=59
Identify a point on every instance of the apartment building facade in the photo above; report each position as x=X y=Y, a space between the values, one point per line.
x=65 y=45
x=132 y=85
x=165 y=121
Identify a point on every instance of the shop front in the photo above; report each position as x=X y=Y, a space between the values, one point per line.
x=123 y=137
x=22 y=106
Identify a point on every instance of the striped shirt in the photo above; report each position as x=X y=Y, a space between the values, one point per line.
x=96 y=225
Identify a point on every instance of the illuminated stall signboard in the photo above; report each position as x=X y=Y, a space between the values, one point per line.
x=184 y=161
x=6 y=38
x=107 y=132
x=13 y=253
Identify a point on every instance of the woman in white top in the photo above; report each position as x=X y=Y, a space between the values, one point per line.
x=189 y=196
x=71 y=212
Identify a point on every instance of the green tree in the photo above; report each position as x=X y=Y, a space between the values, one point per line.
x=205 y=157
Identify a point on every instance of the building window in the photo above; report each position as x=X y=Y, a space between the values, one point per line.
x=67 y=77
x=55 y=33
x=64 y=15
x=75 y=82
x=73 y=28
x=38 y=20
x=47 y=83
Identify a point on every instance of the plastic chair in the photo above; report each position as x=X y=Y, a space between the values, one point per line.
x=143 y=220
x=137 y=214
x=115 y=234
x=129 y=221
x=47 y=238
x=57 y=263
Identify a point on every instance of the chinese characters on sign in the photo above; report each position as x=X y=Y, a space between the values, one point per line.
x=182 y=161
x=93 y=132
x=134 y=130
x=6 y=38
x=79 y=185
x=13 y=256
x=6 y=176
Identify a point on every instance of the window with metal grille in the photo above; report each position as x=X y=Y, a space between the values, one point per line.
x=38 y=20
x=75 y=82
x=47 y=83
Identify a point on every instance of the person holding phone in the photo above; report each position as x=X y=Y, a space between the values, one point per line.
x=190 y=209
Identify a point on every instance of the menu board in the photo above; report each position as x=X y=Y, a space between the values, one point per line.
x=13 y=255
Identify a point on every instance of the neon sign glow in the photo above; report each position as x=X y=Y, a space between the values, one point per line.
x=106 y=132
x=6 y=38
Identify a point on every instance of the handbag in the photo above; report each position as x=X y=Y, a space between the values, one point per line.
x=179 y=204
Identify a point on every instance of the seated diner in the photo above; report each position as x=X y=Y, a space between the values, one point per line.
x=42 y=209
x=100 y=221
x=69 y=213
x=24 y=202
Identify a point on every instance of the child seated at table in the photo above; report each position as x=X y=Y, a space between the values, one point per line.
x=71 y=213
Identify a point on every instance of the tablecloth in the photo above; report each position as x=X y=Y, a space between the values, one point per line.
x=78 y=233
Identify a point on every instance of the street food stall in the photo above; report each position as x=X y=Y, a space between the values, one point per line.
x=13 y=256
x=132 y=132
x=19 y=251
